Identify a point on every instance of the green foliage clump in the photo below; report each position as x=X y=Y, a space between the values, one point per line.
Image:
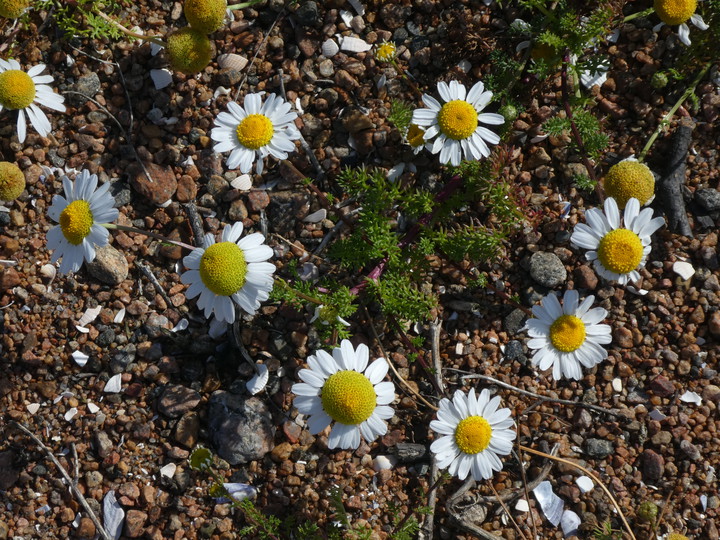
x=80 y=19
x=589 y=127
x=400 y=115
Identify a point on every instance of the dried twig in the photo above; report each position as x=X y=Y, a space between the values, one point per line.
x=148 y=273
x=195 y=223
x=429 y=524
x=435 y=352
x=673 y=178
x=73 y=487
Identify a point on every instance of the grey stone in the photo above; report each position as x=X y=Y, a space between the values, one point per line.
x=240 y=427
x=708 y=198
x=88 y=85
x=176 y=400
x=515 y=321
x=513 y=350
x=410 y=452
x=598 y=448
x=653 y=466
x=308 y=14
x=690 y=450
x=103 y=444
x=109 y=265
x=122 y=359
x=547 y=269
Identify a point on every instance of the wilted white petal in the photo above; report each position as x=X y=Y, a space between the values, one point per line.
x=259 y=381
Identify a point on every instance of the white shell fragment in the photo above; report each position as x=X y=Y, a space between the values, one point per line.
x=232 y=61
x=617 y=384
x=315 y=217
x=70 y=414
x=114 y=384
x=113 y=515
x=89 y=316
x=522 y=505
x=552 y=505
x=161 y=78
x=242 y=182
x=33 y=408
x=570 y=522
x=168 y=471
x=259 y=381
x=691 y=397
x=239 y=491
x=384 y=463
x=683 y=269
x=346 y=16
x=82 y=329
x=92 y=407
x=119 y=316
x=180 y=326
x=352 y=44
x=585 y=483
x=80 y=358
x=657 y=415
x=48 y=271
x=330 y=48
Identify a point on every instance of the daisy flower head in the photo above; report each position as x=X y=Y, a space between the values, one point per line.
x=386 y=51
x=326 y=315
x=255 y=131
x=81 y=213
x=415 y=137
x=12 y=9
x=232 y=271
x=617 y=252
x=343 y=389
x=474 y=434
x=567 y=337
x=23 y=92
x=627 y=179
x=12 y=181
x=672 y=12
x=456 y=123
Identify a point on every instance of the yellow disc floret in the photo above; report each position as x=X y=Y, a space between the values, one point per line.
x=223 y=268
x=620 y=251
x=415 y=135
x=386 y=51
x=255 y=131
x=17 y=89
x=205 y=15
x=348 y=397
x=76 y=221
x=676 y=536
x=473 y=434
x=567 y=333
x=12 y=181
x=12 y=9
x=457 y=119
x=675 y=11
x=629 y=179
x=189 y=50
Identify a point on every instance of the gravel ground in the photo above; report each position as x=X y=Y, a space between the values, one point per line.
x=182 y=387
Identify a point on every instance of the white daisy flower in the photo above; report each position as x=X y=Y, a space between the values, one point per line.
x=326 y=315
x=255 y=132
x=672 y=12
x=339 y=388
x=415 y=137
x=81 y=214
x=456 y=123
x=617 y=252
x=22 y=91
x=229 y=272
x=474 y=434
x=569 y=336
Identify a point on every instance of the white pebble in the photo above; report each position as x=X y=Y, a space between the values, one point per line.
x=381 y=463
x=617 y=384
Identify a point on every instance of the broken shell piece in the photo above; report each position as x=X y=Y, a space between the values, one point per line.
x=552 y=505
x=384 y=463
x=259 y=381
x=316 y=216
x=585 y=483
x=168 y=471
x=357 y=6
x=92 y=407
x=242 y=182
x=330 y=48
x=33 y=408
x=351 y=44
x=232 y=61
x=522 y=506
x=161 y=78
x=80 y=358
x=346 y=16
x=240 y=491
x=114 y=384
x=49 y=271
x=70 y=414
x=89 y=316
x=119 y=316
x=683 y=269
x=691 y=397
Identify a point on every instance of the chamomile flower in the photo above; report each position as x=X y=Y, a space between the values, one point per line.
x=342 y=388
x=12 y=9
x=82 y=212
x=255 y=131
x=567 y=337
x=630 y=178
x=456 y=123
x=232 y=271
x=672 y=12
x=416 y=138
x=386 y=51
x=474 y=434
x=617 y=252
x=22 y=92
x=326 y=315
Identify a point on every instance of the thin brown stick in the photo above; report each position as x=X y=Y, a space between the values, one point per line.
x=152 y=39
x=507 y=510
x=73 y=487
x=591 y=475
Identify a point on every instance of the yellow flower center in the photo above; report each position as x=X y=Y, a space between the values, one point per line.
x=386 y=51
x=254 y=131
x=348 y=397
x=17 y=89
x=415 y=135
x=457 y=119
x=12 y=181
x=473 y=434
x=629 y=179
x=223 y=268
x=567 y=333
x=675 y=11
x=76 y=221
x=620 y=251
x=676 y=536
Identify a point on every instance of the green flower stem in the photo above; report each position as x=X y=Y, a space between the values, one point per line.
x=244 y=5
x=148 y=233
x=638 y=14
x=151 y=39
x=285 y=284
x=666 y=119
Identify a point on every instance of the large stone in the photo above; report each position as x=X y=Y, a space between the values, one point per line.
x=653 y=466
x=109 y=265
x=598 y=448
x=708 y=198
x=176 y=400
x=547 y=269
x=161 y=185
x=240 y=427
